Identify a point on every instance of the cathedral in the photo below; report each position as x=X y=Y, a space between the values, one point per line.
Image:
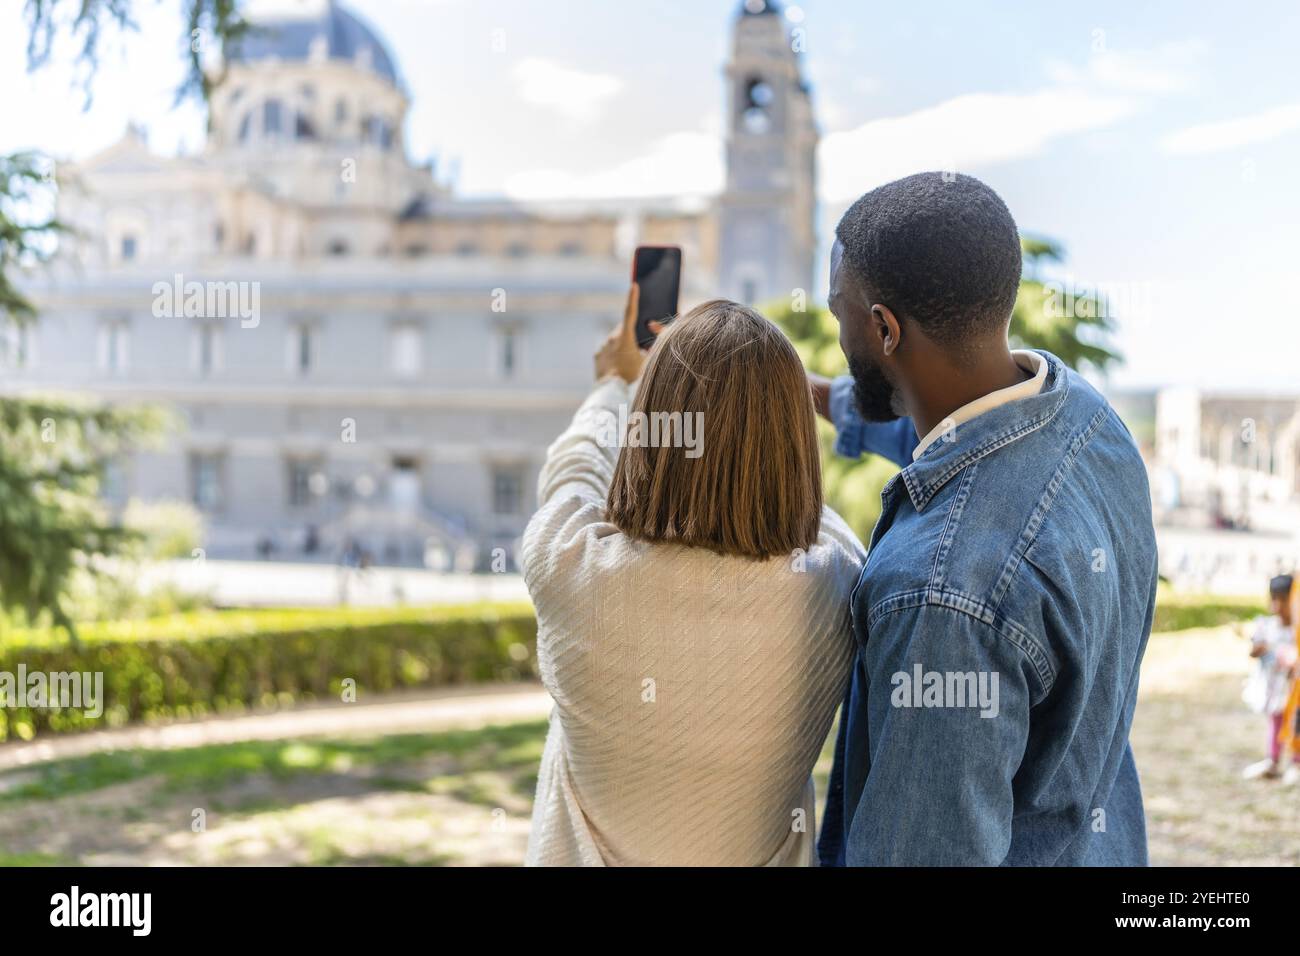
x=354 y=355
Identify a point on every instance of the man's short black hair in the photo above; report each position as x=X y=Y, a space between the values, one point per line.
x=1280 y=586
x=938 y=248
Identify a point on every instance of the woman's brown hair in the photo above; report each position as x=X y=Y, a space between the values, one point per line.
x=754 y=487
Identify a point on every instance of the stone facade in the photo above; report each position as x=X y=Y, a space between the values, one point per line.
x=1227 y=455
x=353 y=352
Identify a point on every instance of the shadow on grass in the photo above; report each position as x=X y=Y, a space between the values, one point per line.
x=503 y=748
x=435 y=799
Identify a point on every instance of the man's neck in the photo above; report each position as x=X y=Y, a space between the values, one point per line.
x=946 y=387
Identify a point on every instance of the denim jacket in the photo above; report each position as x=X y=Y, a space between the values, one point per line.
x=1000 y=623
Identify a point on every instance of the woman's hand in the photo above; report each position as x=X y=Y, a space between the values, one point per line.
x=619 y=354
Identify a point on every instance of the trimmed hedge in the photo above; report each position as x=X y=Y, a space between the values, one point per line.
x=230 y=662
x=1177 y=612
x=193 y=665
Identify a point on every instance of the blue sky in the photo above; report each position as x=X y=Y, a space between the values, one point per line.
x=1160 y=142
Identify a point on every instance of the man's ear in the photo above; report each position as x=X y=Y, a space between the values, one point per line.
x=885 y=325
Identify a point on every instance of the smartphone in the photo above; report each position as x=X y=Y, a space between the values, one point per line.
x=658 y=272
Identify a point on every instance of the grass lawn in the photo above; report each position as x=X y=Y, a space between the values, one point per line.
x=464 y=798
x=461 y=797
x=1192 y=736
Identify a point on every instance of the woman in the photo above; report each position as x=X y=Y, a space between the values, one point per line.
x=692 y=600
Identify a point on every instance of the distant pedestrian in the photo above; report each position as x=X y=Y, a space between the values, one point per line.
x=1273 y=645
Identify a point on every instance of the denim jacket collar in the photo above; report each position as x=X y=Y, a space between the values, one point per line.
x=971 y=441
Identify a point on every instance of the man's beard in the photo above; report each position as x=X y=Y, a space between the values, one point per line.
x=872 y=393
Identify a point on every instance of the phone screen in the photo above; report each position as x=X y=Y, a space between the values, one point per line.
x=658 y=271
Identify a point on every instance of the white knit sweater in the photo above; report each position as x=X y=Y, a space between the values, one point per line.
x=693 y=691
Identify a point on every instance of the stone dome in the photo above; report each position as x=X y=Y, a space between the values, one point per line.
x=289 y=29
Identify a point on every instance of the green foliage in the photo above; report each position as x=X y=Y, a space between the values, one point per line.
x=115 y=592
x=31 y=859
x=1070 y=323
x=1038 y=249
x=86 y=23
x=53 y=454
x=52 y=527
x=205 y=623
x=223 y=662
x=27 y=234
x=1181 y=612
x=208 y=23
x=164 y=529
x=102 y=588
x=853 y=488
x=213 y=663
x=117 y=589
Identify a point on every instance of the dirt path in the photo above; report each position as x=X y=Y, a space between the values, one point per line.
x=452 y=709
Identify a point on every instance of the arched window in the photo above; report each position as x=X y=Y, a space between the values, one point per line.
x=758 y=93
x=337 y=247
x=303 y=128
x=517 y=250
x=377 y=130
x=272 y=118
x=245 y=126
x=757 y=106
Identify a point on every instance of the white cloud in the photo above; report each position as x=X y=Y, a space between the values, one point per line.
x=684 y=163
x=960 y=133
x=1229 y=134
x=1165 y=69
x=977 y=129
x=576 y=95
x=964 y=132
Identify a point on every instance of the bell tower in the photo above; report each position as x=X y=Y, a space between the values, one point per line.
x=767 y=236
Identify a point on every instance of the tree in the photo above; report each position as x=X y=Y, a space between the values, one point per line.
x=53 y=456
x=27 y=235
x=1070 y=323
x=54 y=453
x=216 y=20
x=1038 y=249
x=1045 y=316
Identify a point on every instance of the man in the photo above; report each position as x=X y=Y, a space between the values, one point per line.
x=1005 y=604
